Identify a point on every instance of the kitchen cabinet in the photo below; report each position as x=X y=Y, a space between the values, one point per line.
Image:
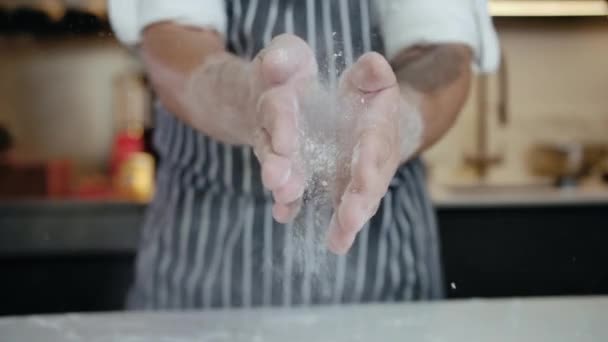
x=74 y=256
x=525 y=250
x=66 y=256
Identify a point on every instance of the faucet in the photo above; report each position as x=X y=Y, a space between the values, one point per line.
x=481 y=160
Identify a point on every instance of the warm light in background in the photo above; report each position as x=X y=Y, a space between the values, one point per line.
x=548 y=8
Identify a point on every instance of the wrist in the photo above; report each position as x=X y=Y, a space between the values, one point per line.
x=221 y=97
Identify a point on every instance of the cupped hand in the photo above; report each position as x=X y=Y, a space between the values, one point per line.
x=281 y=74
x=370 y=90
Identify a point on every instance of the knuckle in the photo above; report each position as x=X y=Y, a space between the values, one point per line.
x=268 y=106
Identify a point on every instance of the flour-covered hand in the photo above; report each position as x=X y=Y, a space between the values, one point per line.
x=280 y=74
x=380 y=140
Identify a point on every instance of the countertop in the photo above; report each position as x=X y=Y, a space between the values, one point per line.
x=32 y=227
x=530 y=320
x=59 y=226
x=484 y=196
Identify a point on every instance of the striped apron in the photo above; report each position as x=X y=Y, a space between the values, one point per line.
x=209 y=239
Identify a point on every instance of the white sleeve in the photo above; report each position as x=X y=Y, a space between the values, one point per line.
x=409 y=22
x=130 y=17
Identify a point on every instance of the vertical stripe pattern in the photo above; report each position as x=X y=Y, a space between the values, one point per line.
x=209 y=239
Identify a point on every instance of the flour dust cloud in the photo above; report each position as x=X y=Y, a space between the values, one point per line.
x=322 y=148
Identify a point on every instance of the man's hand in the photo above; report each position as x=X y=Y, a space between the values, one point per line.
x=377 y=138
x=212 y=91
x=281 y=74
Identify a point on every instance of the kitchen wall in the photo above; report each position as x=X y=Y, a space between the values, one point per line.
x=56 y=96
x=558 y=80
x=558 y=71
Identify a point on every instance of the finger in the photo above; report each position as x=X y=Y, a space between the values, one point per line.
x=278 y=110
x=343 y=174
x=373 y=166
x=284 y=213
x=371 y=73
x=286 y=56
x=261 y=144
x=276 y=169
x=353 y=213
x=341 y=183
x=338 y=241
x=292 y=190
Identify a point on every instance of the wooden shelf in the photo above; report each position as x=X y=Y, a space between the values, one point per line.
x=73 y=22
x=548 y=8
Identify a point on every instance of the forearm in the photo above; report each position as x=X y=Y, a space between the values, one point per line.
x=198 y=81
x=436 y=79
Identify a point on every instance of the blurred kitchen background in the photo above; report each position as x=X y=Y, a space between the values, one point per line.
x=520 y=183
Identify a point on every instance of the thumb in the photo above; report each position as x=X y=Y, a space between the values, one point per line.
x=287 y=56
x=370 y=74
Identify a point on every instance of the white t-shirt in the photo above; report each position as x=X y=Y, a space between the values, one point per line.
x=403 y=22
